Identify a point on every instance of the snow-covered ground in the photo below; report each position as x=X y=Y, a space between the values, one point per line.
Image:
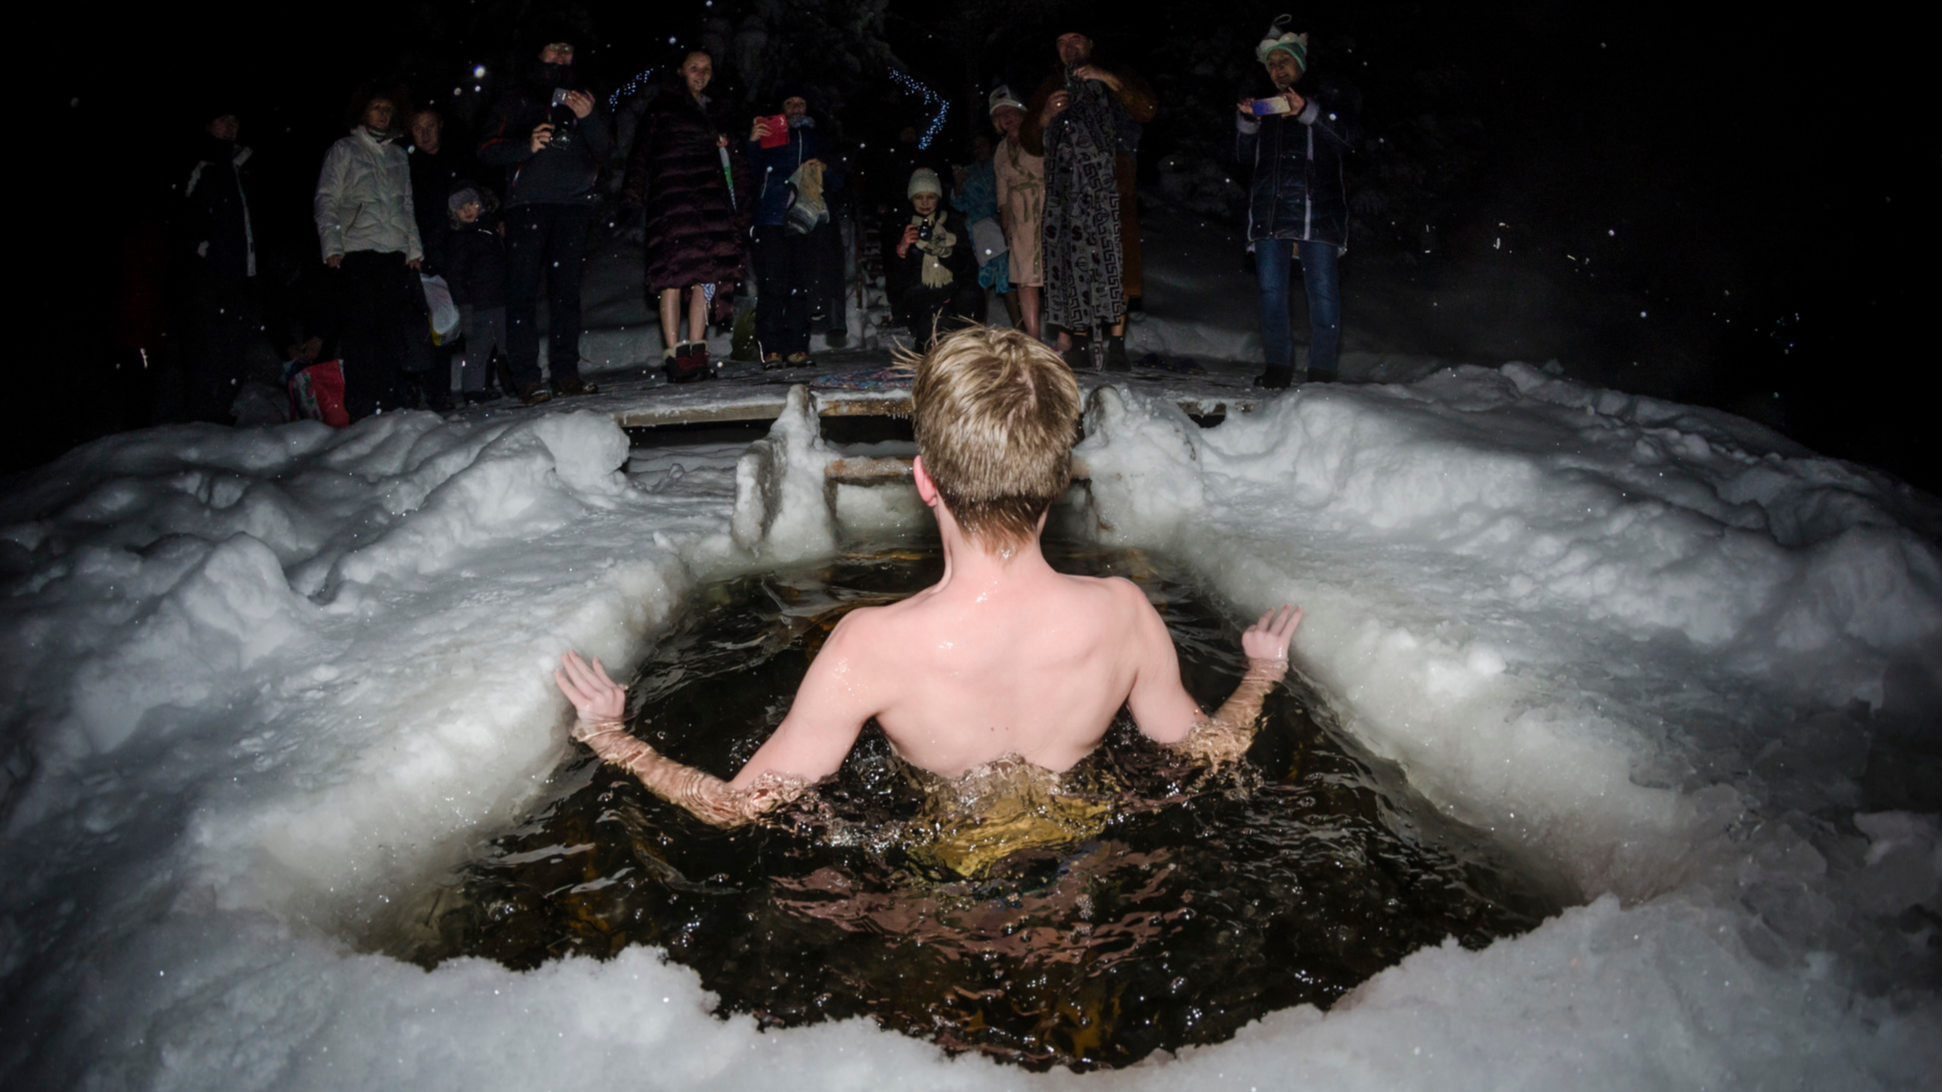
x=260 y=682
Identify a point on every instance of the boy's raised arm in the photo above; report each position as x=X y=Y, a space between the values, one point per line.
x=822 y=725
x=1225 y=736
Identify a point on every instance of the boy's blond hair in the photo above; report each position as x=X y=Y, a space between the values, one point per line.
x=995 y=413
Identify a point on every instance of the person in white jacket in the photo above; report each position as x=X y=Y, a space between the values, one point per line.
x=368 y=233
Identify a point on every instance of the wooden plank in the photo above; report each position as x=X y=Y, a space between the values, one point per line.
x=766 y=407
x=885 y=470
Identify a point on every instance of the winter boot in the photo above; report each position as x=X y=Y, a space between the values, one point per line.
x=1276 y=378
x=1079 y=358
x=687 y=363
x=1316 y=375
x=1116 y=354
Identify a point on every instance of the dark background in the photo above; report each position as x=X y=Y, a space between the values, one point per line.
x=1766 y=191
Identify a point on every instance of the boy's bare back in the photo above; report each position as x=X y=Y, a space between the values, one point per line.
x=998 y=659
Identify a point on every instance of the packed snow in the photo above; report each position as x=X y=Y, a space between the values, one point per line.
x=263 y=682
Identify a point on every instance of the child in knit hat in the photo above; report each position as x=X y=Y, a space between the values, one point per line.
x=930 y=274
x=476 y=271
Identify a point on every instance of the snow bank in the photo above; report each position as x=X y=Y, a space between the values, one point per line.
x=260 y=682
x=1646 y=643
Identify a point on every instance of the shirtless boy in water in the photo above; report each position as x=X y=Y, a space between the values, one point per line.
x=1004 y=655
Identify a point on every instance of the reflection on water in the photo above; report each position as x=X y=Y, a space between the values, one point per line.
x=1086 y=920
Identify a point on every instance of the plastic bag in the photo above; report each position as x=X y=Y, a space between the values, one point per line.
x=438 y=301
x=317 y=394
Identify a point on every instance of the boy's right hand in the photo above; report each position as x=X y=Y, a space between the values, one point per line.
x=1269 y=638
x=542 y=136
x=595 y=697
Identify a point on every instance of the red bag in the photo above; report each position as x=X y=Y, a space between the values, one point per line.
x=317 y=394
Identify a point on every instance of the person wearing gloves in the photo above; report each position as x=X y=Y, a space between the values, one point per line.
x=368 y=232
x=793 y=177
x=930 y=274
x=552 y=137
x=1295 y=141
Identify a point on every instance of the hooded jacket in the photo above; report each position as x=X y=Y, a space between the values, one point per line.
x=562 y=173
x=1297 y=191
x=364 y=198
x=217 y=222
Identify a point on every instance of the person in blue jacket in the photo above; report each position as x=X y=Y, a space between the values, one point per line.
x=1295 y=140
x=792 y=218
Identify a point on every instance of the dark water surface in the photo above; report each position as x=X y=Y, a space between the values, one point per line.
x=1146 y=906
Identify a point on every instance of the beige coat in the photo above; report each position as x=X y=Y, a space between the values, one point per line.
x=1022 y=206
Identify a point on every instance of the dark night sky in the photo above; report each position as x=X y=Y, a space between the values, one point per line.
x=1781 y=176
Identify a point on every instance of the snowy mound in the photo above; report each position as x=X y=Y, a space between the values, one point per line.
x=261 y=681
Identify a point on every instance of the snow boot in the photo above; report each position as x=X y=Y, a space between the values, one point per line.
x=688 y=363
x=1116 y=354
x=1276 y=379
x=1317 y=376
x=1079 y=358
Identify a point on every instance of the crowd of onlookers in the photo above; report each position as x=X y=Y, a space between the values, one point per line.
x=438 y=255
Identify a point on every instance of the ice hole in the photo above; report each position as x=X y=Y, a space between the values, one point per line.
x=1151 y=907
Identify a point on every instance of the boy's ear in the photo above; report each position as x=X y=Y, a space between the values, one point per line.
x=927 y=489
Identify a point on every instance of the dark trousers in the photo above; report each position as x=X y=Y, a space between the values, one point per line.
x=925 y=309
x=384 y=339
x=786 y=283
x=220 y=318
x=1320 y=282
x=832 y=303
x=547 y=241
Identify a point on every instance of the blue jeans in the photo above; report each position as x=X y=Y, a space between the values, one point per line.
x=1322 y=284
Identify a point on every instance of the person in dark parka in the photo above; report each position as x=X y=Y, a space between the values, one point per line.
x=219 y=291
x=690 y=184
x=793 y=182
x=475 y=269
x=1296 y=203
x=436 y=166
x=553 y=138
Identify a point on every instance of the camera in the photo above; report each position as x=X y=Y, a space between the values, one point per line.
x=562 y=117
x=924 y=230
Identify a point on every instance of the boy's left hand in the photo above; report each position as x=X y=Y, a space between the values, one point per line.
x=1269 y=638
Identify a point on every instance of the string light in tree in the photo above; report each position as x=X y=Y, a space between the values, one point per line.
x=931 y=98
x=628 y=89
